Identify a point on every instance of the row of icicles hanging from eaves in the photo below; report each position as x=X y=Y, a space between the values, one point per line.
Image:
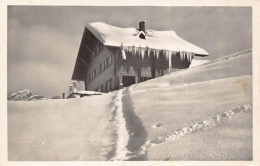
x=141 y=51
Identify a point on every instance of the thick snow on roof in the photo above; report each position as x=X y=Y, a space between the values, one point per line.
x=126 y=37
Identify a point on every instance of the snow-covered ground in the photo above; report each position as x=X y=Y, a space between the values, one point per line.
x=201 y=113
x=69 y=129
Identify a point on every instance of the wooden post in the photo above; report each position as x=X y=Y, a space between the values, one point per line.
x=63 y=95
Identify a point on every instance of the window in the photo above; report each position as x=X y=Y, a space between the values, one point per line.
x=104 y=65
x=107 y=62
x=89 y=77
x=96 y=51
x=102 y=89
x=100 y=68
x=100 y=47
x=106 y=86
x=110 y=60
x=95 y=73
x=145 y=78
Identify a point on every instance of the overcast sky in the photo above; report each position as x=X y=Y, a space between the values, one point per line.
x=43 y=42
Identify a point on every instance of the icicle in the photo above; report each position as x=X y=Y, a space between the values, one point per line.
x=166 y=54
x=123 y=54
x=157 y=53
x=174 y=54
x=142 y=52
x=129 y=49
x=148 y=52
x=134 y=50
x=154 y=52
x=181 y=56
x=170 y=61
x=138 y=51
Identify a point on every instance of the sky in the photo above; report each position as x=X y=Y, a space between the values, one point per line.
x=43 y=42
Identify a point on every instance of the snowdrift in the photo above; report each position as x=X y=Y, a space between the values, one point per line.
x=180 y=99
x=60 y=130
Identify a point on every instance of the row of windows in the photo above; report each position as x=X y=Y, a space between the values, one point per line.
x=100 y=68
x=98 y=49
x=105 y=87
x=162 y=71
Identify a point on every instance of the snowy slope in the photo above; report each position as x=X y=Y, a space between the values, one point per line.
x=169 y=103
x=55 y=130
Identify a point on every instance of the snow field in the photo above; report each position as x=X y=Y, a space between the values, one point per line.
x=167 y=104
x=203 y=125
x=61 y=130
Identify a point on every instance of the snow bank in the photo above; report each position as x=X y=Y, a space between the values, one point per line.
x=203 y=95
x=61 y=130
x=128 y=39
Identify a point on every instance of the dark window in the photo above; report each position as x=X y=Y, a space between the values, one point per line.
x=110 y=83
x=107 y=62
x=145 y=78
x=100 y=68
x=102 y=88
x=89 y=77
x=128 y=80
x=98 y=71
x=104 y=64
x=96 y=51
x=95 y=73
x=106 y=87
x=100 y=47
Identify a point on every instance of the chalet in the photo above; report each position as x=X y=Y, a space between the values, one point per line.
x=110 y=57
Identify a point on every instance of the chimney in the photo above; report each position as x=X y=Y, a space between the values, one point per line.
x=142 y=28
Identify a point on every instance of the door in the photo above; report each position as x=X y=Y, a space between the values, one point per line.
x=128 y=80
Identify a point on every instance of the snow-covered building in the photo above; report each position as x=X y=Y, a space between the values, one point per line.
x=110 y=57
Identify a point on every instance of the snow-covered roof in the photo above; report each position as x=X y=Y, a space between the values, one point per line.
x=88 y=92
x=126 y=37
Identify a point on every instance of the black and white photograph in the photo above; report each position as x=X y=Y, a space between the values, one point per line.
x=129 y=83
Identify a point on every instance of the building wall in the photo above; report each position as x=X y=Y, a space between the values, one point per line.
x=143 y=68
x=146 y=67
x=103 y=75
